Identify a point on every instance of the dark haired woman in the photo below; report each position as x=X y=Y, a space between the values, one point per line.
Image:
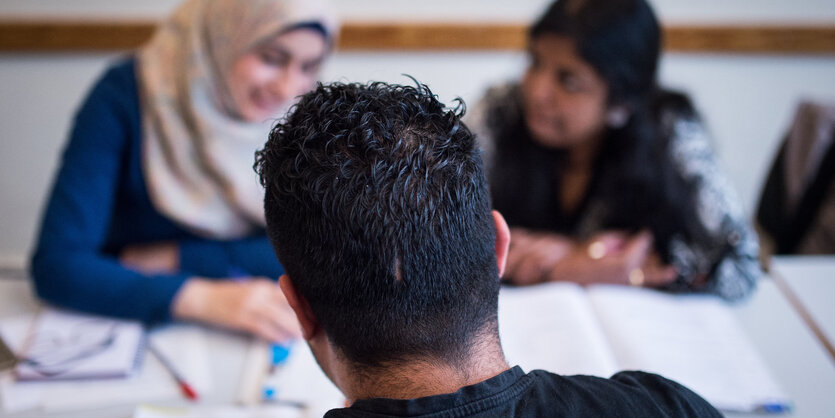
x=156 y=212
x=605 y=177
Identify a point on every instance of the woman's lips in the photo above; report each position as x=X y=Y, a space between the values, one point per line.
x=265 y=104
x=541 y=120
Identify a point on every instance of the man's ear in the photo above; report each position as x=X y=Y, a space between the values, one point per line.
x=502 y=240
x=300 y=306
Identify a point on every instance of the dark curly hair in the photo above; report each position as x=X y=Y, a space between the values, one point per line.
x=378 y=208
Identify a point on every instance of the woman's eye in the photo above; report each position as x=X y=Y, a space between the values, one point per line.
x=312 y=68
x=273 y=58
x=569 y=82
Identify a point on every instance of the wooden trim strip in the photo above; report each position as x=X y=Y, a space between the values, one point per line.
x=752 y=39
x=47 y=36
x=433 y=37
x=80 y=36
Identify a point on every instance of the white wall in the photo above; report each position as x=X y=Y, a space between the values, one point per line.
x=746 y=100
x=731 y=11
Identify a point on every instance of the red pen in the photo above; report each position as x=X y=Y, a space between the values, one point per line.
x=185 y=387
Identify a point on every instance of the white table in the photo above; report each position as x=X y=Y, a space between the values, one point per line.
x=228 y=349
x=811 y=280
x=796 y=358
x=794 y=355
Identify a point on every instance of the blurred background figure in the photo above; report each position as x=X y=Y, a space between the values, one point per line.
x=796 y=214
x=156 y=212
x=604 y=176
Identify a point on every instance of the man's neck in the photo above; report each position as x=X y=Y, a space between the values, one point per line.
x=427 y=377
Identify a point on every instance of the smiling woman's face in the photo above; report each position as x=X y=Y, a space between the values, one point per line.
x=565 y=99
x=267 y=80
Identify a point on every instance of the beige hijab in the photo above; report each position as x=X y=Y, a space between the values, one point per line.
x=197 y=156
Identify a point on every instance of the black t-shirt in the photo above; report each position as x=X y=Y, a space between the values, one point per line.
x=543 y=394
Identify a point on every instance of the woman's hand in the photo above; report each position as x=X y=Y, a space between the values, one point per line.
x=534 y=254
x=617 y=258
x=162 y=257
x=255 y=305
x=609 y=257
x=656 y=273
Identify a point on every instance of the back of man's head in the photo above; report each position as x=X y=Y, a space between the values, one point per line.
x=377 y=206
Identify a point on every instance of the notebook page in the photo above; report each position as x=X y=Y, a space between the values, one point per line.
x=692 y=339
x=552 y=327
x=186 y=346
x=68 y=345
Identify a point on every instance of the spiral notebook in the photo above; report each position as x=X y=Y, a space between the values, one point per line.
x=65 y=345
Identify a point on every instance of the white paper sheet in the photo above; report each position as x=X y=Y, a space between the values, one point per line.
x=552 y=327
x=220 y=412
x=692 y=339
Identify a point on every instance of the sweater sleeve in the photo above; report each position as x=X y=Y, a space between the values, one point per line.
x=252 y=256
x=725 y=251
x=70 y=267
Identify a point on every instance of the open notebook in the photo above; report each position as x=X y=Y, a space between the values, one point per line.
x=63 y=345
x=600 y=330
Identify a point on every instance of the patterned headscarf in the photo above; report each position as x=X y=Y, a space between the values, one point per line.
x=197 y=155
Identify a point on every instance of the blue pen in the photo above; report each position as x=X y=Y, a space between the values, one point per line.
x=773 y=408
x=278 y=355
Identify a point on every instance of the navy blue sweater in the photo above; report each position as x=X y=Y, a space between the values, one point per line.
x=99 y=205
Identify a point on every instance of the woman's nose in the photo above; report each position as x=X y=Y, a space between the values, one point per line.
x=538 y=87
x=288 y=84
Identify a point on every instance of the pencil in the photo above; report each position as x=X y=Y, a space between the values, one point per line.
x=185 y=387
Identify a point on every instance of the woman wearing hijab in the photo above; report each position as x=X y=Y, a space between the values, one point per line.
x=156 y=212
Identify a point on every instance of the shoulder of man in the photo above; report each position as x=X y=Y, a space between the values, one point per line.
x=629 y=393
